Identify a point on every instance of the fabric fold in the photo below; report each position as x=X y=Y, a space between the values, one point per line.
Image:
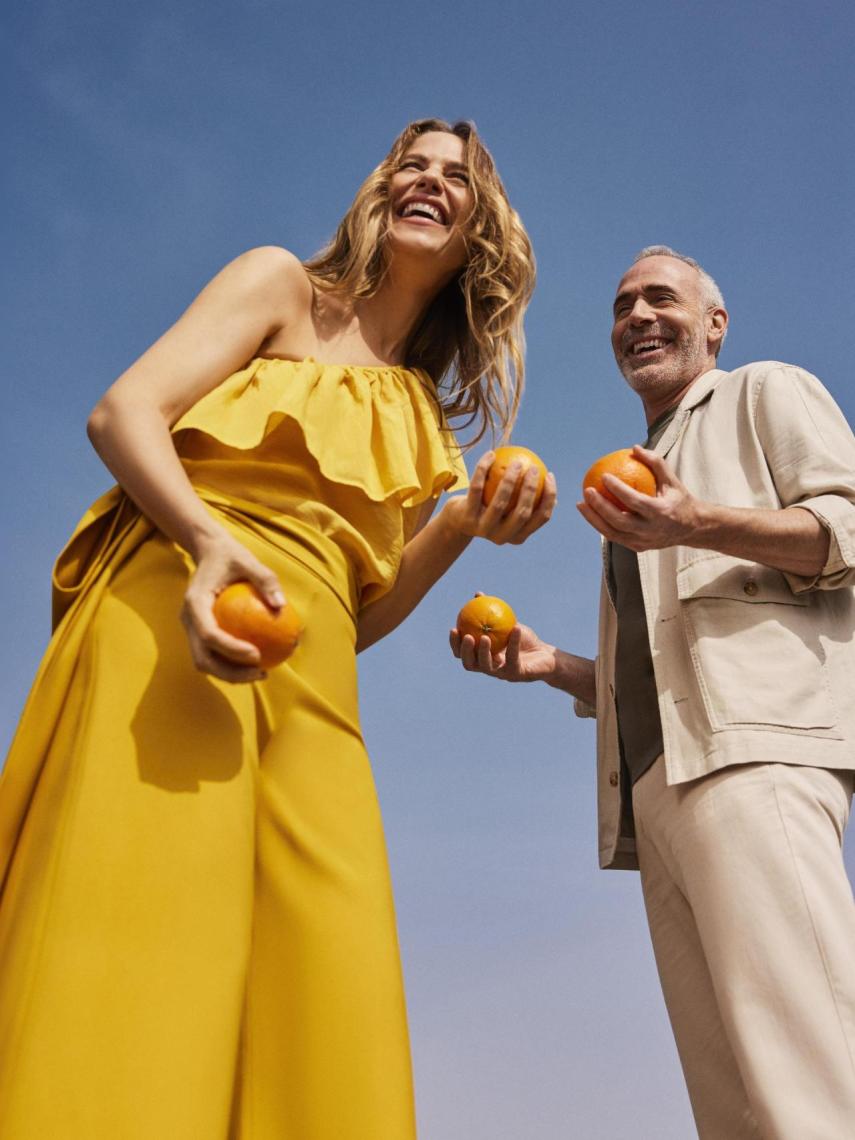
x=375 y=428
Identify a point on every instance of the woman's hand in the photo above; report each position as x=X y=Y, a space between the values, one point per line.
x=495 y=521
x=221 y=561
x=525 y=658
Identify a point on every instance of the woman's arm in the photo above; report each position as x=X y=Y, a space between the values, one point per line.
x=441 y=542
x=130 y=429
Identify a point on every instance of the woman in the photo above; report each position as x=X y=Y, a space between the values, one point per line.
x=197 y=932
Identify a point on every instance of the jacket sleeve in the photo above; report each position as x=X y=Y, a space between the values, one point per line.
x=810 y=450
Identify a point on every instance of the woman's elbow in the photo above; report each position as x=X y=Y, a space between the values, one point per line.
x=110 y=414
x=98 y=423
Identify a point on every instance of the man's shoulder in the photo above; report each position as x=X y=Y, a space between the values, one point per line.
x=769 y=376
x=760 y=369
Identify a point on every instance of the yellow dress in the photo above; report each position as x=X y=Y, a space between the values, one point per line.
x=197 y=937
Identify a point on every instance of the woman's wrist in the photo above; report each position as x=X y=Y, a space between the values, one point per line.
x=451 y=520
x=204 y=537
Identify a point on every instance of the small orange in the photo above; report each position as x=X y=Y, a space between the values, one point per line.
x=505 y=456
x=485 y=615
x=624 y=466
x=241 y=611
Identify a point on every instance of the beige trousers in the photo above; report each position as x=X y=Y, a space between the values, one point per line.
x=753 y=927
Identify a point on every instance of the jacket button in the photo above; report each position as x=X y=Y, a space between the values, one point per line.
x=614 y=779
x=750 y=587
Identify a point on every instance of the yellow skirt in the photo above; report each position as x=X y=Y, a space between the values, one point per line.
x=197 y=938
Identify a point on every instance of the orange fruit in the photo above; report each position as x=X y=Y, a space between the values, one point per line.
x=241 y=611
x=489 y=616
x=624 y=466
x=505 y=456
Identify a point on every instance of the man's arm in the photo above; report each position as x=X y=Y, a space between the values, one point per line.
x=528 y=658
x=809 y=449
x=792 y=540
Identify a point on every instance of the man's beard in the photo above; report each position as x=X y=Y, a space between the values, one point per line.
x=685 y=358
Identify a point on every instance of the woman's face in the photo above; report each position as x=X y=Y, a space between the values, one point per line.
x=430 y=199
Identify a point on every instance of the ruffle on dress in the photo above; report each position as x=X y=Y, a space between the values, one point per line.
x=375 y=428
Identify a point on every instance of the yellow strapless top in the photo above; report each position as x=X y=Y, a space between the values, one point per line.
x=353 y=451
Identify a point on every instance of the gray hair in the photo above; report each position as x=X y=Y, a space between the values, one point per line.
x=711 y=295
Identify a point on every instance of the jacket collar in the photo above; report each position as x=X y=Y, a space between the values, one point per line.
x=700 y=391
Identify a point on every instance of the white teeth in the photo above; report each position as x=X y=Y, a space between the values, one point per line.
x=641 y=345
x=422 y=207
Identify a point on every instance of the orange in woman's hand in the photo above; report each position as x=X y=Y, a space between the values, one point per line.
x=487 y=616
x=240 y=610
x=624 y=466
x=505 y=456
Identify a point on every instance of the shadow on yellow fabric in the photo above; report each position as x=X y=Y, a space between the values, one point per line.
x=197 y=936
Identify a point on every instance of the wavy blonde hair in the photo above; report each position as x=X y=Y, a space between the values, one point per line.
x=470 y=340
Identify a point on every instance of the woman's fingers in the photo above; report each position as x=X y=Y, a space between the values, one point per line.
x=528 y=514
x=267 y=584
x=207 y=637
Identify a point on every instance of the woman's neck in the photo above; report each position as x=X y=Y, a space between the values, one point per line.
x=387 y=318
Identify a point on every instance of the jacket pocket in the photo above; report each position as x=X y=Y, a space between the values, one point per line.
x=755 y=646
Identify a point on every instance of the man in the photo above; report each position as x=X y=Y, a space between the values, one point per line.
x=724 y=690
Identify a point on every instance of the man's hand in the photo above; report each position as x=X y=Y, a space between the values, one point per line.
x=525 y=658
x=790 y=539
x=670 y=518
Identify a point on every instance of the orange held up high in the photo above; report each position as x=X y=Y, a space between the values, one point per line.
x=504 y=457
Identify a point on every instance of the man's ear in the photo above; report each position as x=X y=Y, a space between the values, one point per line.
x=716 y=328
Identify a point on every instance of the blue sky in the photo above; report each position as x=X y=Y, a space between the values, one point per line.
x=151 y=143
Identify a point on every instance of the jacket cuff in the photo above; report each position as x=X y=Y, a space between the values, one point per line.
x=583 y=709
x=837 y=515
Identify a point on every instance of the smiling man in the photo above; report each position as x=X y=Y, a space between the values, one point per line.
x=724 y=692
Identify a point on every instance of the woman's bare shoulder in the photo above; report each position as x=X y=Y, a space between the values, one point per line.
x=274 y=272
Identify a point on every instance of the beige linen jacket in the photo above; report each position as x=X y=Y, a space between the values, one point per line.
x=751 y=664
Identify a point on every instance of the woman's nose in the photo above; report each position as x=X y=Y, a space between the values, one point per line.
x=430 y=179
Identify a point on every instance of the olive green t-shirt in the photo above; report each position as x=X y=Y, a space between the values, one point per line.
x=635 y=686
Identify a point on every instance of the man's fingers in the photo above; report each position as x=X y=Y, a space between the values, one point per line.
x=512 y=651
x=485 y=655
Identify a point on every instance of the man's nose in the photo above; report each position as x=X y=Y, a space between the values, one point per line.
x=641 y=312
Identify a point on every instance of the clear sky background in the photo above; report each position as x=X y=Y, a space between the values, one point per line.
x=148 y=144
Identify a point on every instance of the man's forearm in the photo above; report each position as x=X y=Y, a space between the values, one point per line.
x=793 y=539
x=574 y=675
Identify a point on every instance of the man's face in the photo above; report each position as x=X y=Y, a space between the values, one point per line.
x=661 y=326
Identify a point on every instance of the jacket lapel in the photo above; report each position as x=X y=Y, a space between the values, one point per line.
x=699 y=392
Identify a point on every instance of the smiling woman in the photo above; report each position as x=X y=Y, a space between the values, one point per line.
x=471 y=326
x=196 y=929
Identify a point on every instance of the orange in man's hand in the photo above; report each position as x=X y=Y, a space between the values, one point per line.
x=505 y=456
x=241 y=611
x=624 y=466
x=487 y=616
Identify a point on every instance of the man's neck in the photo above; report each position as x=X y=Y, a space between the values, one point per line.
x=656 y=404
